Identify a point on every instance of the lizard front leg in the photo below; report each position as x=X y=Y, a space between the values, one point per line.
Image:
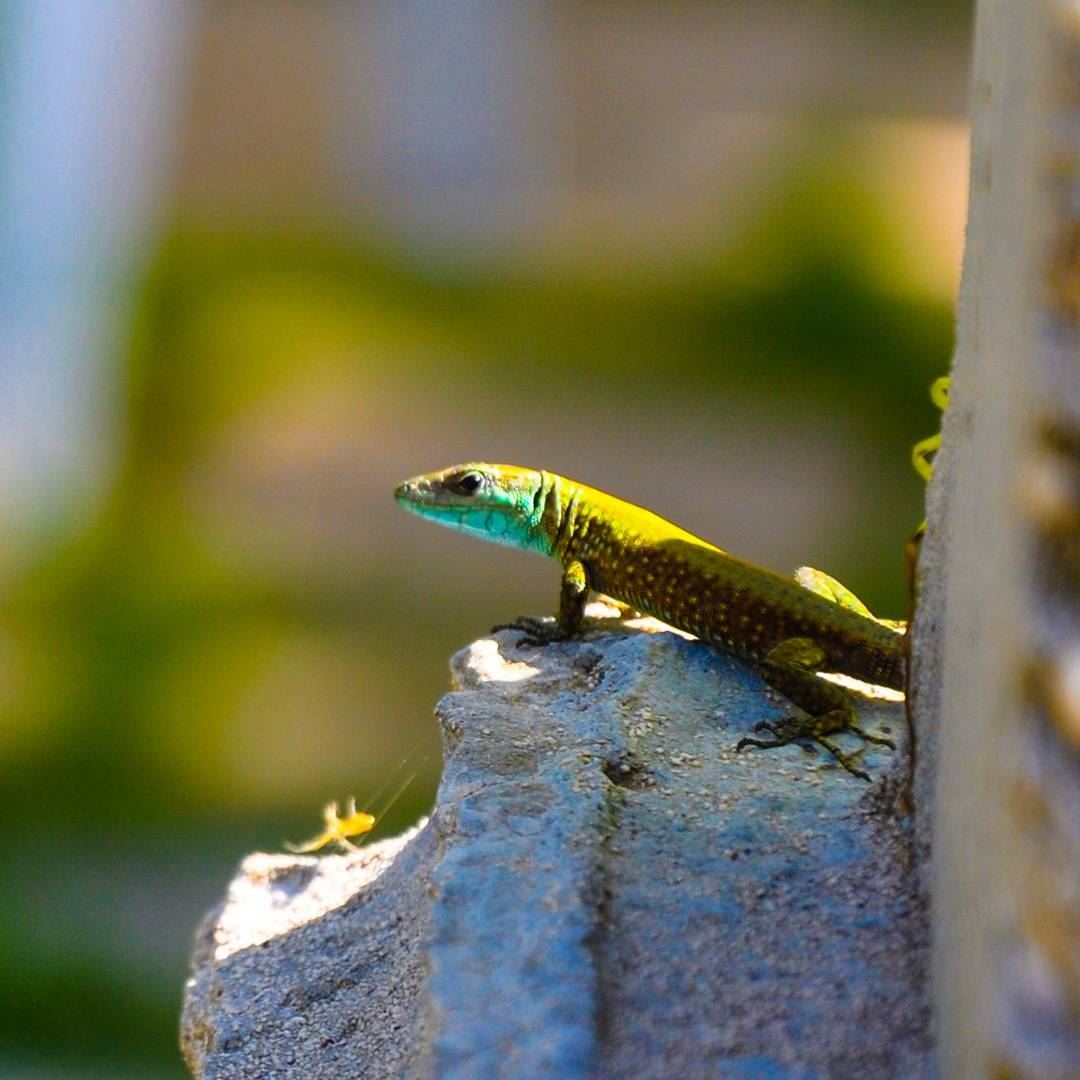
x=573 y=594
x=791 y=667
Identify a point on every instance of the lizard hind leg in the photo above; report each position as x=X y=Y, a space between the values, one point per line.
x=791 y=667
x=817 y=581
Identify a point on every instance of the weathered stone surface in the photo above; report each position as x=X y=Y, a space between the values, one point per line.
x=1003 y=619
x=605 y=888
x=314 y=966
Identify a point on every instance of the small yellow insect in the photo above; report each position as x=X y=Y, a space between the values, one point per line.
x=338 y=829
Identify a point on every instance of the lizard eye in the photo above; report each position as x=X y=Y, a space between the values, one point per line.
x=469 y=484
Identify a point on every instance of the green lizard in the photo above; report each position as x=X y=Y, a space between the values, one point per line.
x=791 y=629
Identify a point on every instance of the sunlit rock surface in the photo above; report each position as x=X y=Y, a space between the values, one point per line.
x=606 y=888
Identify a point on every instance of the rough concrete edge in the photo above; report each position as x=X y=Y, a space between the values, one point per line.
x=975 y=633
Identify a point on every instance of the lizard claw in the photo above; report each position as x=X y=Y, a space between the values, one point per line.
x=534 y=631
x=845 y=761
x=877 y=740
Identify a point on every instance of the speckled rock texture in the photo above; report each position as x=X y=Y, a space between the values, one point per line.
x=605 y=888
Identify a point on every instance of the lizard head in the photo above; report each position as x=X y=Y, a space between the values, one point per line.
x=501 y=503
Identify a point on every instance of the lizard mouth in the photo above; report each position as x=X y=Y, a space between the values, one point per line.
x=414 y=491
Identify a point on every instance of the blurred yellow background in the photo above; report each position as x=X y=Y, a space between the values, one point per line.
x=264 y=259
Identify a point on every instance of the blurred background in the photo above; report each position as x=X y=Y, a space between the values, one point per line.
x=262 y=260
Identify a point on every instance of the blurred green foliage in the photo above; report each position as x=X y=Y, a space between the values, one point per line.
x=240 y=635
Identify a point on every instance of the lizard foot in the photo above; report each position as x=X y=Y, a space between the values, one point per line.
x=789 y=730
x=534 y=630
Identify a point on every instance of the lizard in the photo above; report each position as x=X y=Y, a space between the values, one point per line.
x=790 y=628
